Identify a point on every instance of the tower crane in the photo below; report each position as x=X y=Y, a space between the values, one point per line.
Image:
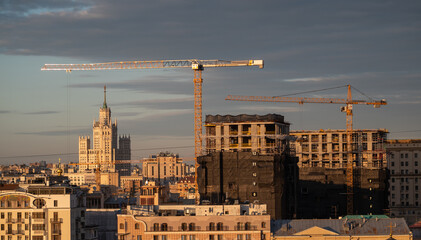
x=348 y=102
x=195 y=64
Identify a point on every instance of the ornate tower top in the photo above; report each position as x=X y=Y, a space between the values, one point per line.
x=104 y=105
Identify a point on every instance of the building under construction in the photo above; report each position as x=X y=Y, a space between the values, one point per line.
x=328 y=148
x=323 y=161
x=248 y=161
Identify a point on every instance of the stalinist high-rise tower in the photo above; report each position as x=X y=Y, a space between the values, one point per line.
x=105 y=149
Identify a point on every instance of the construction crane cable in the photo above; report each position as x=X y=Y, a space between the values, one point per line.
x=371 y=99
x=319 y=90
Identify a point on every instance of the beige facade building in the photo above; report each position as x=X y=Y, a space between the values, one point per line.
x=195 y=222
x=164 y=167
x=79 y=179
x=42 y=213
x=404 y=163
x=246 y=133
x=328 y=148
x=104 y=148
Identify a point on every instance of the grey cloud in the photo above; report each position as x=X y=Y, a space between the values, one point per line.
x=156 y=84
x=5 y=111
x=42 y=112
x=64 y=132
x=174 y=103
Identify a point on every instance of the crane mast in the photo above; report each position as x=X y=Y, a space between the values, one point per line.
x=196 y=65
x=349 y=102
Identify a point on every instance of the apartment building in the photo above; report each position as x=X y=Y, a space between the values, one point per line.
x=164 y=167
x=195 y=222
x=41 y=213
x=404 y=160
x=328 y=148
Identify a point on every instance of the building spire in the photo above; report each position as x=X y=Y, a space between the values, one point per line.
x=105 y=97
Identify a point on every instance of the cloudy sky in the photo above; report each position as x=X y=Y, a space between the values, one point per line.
x=306 y=45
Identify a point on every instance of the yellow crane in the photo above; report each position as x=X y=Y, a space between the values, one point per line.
x=348 y=102
x=195 y=64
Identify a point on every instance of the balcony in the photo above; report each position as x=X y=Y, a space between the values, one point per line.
x=56 y=220
x=38 y=220
x=38 y=232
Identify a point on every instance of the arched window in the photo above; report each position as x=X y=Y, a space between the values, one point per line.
x=156 y=226
x=136 y=226
x=248 y=226
x=240 y=226
x=184 y=226
x=164 y=227
x=220 y=226
x=212 y=226
x=191 y=227
x=121 y=225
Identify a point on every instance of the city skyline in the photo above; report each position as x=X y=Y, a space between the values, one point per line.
x=374 y=46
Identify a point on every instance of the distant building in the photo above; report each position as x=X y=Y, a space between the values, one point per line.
x=105 y=149
x=42 y=213
x=186 y=222
x=404 y=163
x=185 y=188
x=164 y=167
x=79 y=179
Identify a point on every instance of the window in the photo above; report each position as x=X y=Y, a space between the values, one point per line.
x=415 y=156
x=416 y=164
x=192 y=237
x=254 y=164
x=55 y=203
x=406 y=155
x=121 y=225
x=136 y=226
x=248 y=236
x=164 y=227
x=211 y=237
x=254 y=174
x=247 y=227
x=212 y=226
x=184 y=237
x=402 y=162
x=155 y=237
x=406 y=164
x=240 y=226
x=220 y=226
x=156 y=226
x=392 y=164
x=192 y=227
x=220 y=237
x=239 y=237
x=263 y=224
x=139 y=237
x=164 y=237
x=184 y=226
x=254 y=194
